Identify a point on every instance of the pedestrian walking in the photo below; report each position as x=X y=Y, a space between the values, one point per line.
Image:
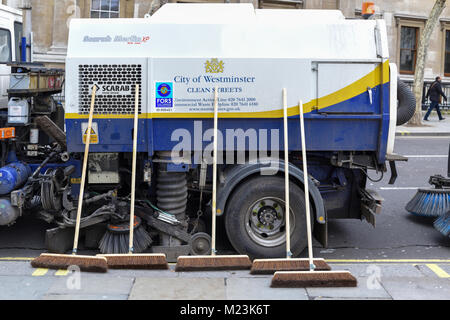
x=435 y=93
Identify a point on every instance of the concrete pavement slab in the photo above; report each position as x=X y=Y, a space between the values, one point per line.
x=259 y=289
x=24 y=287
x=202 y=274
x=178 y=289
x=385 y=270
x=16 y=268
x=367 y=289
x=91 y=285
x=412 y=288
x=140 y=273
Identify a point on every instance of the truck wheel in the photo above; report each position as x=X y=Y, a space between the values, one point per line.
x=255 y=218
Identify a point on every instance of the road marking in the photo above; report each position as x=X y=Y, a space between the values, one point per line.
x=421 y=137
x=436 y=269
x=427 y=156
x=62 y=273
x=388 y=261
x=15 y=259
x=402 y=188
x=39 y=272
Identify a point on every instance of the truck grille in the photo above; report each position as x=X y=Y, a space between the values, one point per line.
x=117 y=88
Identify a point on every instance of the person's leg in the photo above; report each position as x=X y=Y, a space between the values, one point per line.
x=430 y=108
x=439 y=112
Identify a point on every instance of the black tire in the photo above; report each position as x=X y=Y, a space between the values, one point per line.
x=237 y=213
x=406 y=103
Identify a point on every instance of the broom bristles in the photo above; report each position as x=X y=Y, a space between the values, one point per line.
x=429 y=202
x=64 y=261
x=270 y=266
x=212 y=263
x=442 y=224
x=137 y=261
x=319 y=279
x=118 y=243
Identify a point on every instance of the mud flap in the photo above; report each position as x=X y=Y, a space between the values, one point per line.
x=321 y=233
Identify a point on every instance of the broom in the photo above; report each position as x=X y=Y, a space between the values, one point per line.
x=432 y=202
x=311 y=278
x=130 y=260
x=63 y=261
x=270 y=266
x=213 y=262
x=442 y=224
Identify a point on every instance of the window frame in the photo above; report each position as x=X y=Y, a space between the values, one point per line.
x=100 y=11
x=444 y=51
x=18 y=41
x=418 y=31
x=10 y=46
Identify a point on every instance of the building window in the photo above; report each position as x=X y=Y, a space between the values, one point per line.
x=408 y=49
x=105 y=9
x=447 y=54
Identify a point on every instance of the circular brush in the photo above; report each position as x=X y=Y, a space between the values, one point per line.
x=117 y=236
x=429 y=202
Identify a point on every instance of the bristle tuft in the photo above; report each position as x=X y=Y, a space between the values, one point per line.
x=270 y=266
x=442 y=224
x=212 y=263
x=64 y=261
x=306 y=279
x=118 y=243
x=137 y=261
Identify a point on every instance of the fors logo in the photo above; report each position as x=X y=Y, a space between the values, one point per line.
x=164 y=95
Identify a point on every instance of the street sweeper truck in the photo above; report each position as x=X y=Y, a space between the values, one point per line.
x=339 y=69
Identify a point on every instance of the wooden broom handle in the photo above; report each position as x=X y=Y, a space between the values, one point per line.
x=133 y=170
x=306 y=184
x=214 y=195
x=286 y=176
x=83 y=173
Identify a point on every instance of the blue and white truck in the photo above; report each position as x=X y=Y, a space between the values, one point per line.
x=338 y=68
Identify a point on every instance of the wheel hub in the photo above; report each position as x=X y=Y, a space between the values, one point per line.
x=266 y=220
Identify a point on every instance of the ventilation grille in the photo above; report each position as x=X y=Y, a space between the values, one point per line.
x=120 y=81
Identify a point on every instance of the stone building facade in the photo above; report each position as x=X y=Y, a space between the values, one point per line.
x=405 y=20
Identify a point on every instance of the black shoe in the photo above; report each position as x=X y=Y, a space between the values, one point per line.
x=425 y=120
x=441 y=119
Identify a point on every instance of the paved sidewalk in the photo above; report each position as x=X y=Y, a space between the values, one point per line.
x=425 y=279
x=433 y=127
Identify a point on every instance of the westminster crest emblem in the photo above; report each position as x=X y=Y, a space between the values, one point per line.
x=214 y=66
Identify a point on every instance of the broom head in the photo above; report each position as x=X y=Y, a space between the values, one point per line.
x=137 y=261
x=429 y=202
x=212 y=263
x=305 y=279
x=64 y=261
x=270 y=266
